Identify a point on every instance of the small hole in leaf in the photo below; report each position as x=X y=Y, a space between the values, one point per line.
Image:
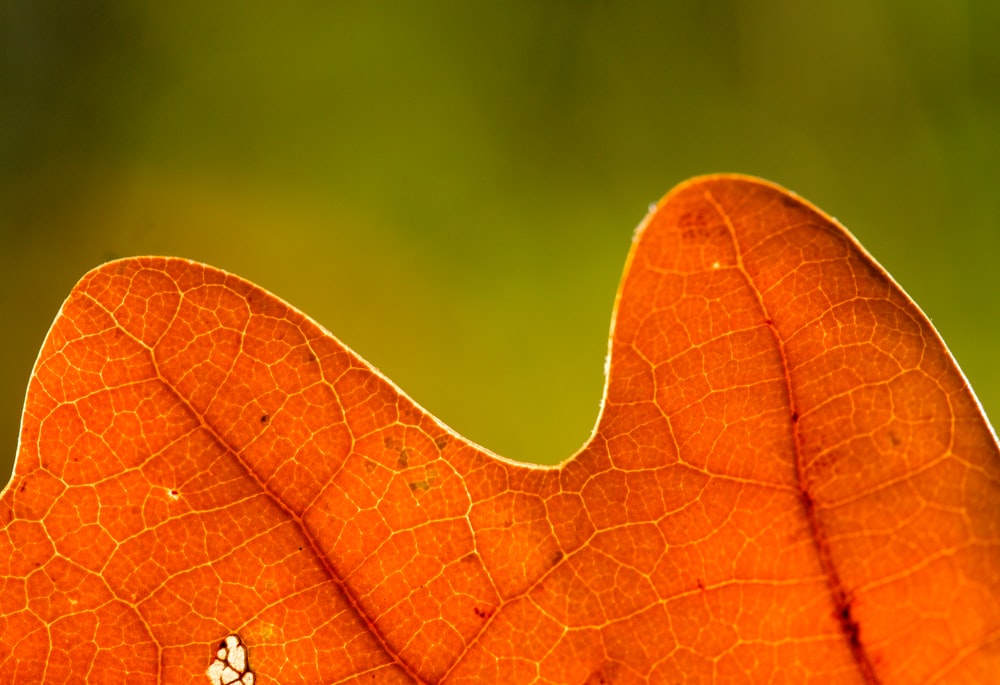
x=231 y=665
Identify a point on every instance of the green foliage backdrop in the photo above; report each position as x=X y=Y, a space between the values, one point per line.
x=451 y=187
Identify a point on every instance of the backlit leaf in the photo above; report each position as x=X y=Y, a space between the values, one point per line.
x=789 y=481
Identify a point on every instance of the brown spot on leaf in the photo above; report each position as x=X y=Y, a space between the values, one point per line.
x=604 y=675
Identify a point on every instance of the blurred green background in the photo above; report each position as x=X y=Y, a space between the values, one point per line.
x=451 y=187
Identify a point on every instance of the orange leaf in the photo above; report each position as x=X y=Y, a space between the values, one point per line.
x=790 y=481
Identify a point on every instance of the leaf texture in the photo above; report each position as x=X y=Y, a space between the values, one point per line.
x=789 y=481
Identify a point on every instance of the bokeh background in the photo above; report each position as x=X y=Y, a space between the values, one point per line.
x=451 y=187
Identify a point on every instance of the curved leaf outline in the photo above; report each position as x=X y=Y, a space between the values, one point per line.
x=789 y=480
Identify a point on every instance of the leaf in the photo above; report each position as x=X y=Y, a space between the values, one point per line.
x=789 y=481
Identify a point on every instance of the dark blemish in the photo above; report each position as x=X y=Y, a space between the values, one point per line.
x=603 y=675
x=421 y=485
x=688 y=219
x=826 y=462
x=790 y=201
x=389 y=442
x=174 y=493
x=701 y=584
x=769 y=322
x=482 y=613
x=795 y=416
x=470 y=558
x=222 y=645
x=557 y=557
x=807 y=500
x=442 y=441
x=851 y=626
x=310 y=357
x=264 y=418
x=700 y=225
x=300 y=549
x=403 y=460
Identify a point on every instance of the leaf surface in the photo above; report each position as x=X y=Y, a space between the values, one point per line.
x=789 y=481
